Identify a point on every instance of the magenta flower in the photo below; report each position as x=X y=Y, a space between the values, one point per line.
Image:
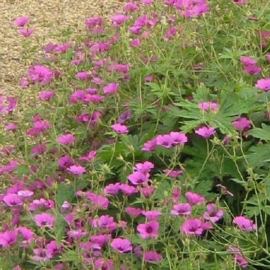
x=41 y=74
x=247 y=60
x=212 y=213
x=148 y=229
x=178 y=137
x=97 y=200
x=194 y=198
x=244 y=223
x=137 y=178
x=104 y=221
x=41 y=254
x=252 y=69
x=130 y=6
x=8 y=238
x=26 y=32
x=76 y=169
x=46 y=95
x=66 y=139
x=118 y=19
x=147 y=190
x=152 y=256
x=26 y=233
x=104 y=264
x=164 y=140
x=149 y=145
x=25 y=193
x=100 y=239
x=205 y=132
x=239 y=2
x=172 y=173
x=44 y=219
x=120 y=129
x=192 y=226
x=110 y=88
x=127 y=189
x=144 y=167
x=12 y=199
x=150 y=215
x=89 y=156
x=208 y=106
x=133 y=211
x=239 y=259
x=112 y=188
x=21 y=21
x=121 y=245
x=263 y=84
x=181 y=209
x=242 y=124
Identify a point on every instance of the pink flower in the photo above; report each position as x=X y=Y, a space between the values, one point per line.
x=181 y=209
x=164 y=140
x=178 y=137
x=205 y=132
x=106 y=222
x=244 y=223
x=138 y=178
x=148 y=229
x=25 y=193
x=12 y=199
x=212 y=213
x=246 y=60
x=66 y=138
x=26 y=32
x=252 y=69
x=121 y=245
x=112 y=188
x=263 y=84
x=46 y=95
x=172 y=173
x=153 y=214
x=104 y=264
x=242 y=124
x=194 y=198
x=133 y=211
x=21 y=21
x=238 y=256
x=110 y=88
x=44 y=219
x=127 y=189
x=8 y=238
x=41 y=74
x=208 y=106
x=149 y=145
x=130 y=6
x=76 y=169
x=120 y=129
x=239 y=2
x=144 y=167
x=118 y=19
x=192 y=226
x=152 y=256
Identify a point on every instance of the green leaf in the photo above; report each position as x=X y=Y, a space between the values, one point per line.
x=64 y=192
x=260 y=133
x=259 y=155
x=59 y=226
x=21 y=170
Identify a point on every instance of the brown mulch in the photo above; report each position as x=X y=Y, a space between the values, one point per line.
x=48 y=18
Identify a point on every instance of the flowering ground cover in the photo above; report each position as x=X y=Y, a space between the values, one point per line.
x=146 y=145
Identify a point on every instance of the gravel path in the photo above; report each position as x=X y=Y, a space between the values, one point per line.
x=48 y=18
